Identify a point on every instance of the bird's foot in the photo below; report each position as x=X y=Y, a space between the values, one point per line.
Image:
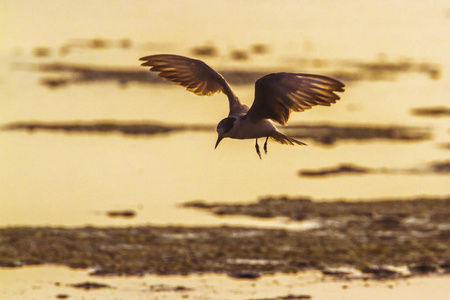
x=257 y=149
x=265 y=146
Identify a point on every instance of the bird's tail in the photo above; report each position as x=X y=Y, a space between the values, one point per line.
x=284 y=139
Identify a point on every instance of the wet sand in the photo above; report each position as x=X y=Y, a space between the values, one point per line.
x=50 y=282
x=372 y=238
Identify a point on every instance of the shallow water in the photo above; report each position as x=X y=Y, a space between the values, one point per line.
x=48 y=282
x=74 y=179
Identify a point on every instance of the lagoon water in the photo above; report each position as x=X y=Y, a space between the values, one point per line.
x=61 y=179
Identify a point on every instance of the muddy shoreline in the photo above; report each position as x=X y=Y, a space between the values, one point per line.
x=65 y=73
x=322 y=134
x=369 y=238
x=437 y=167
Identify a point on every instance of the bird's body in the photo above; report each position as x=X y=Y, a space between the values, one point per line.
x=276 y=96
x=243 y=128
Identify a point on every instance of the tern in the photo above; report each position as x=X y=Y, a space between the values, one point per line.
x=276 y=96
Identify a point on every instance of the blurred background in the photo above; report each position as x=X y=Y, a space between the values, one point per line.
x=87 y=131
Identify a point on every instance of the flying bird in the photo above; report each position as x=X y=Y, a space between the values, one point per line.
x=276 y=96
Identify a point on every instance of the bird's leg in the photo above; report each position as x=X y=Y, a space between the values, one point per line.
x=257 y=149
x=265 y=145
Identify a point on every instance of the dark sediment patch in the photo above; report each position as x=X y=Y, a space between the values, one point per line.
x=126 y=128
x=244 y=274
x=78 y=74
x=260 y=49
x=239 y=55
x=362 y=235
x=346 y=71
x=168 y=288
x=390 y=70
x=438 y=111
x=341 y=169
x=322 y=134
x=330 y=134
x=90 y=285
x=96 y=44
x=66 y=73
x=121 y=214
x=420 y=268
x=303 y=208
x=41 y=52
x=205 y=50
x=442 y=168
x=287 y=297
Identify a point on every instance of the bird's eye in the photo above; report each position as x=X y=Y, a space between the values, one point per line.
x=227 y=124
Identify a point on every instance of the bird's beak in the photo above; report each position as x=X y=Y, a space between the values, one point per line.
x=218 y=141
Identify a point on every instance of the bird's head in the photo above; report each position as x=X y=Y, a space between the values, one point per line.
x=223 y=129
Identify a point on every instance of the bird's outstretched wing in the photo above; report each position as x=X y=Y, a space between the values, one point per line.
x=195 y=75
x=278 y=94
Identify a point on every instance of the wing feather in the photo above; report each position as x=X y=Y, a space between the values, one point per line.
x=279 y=94
x=195 y=75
